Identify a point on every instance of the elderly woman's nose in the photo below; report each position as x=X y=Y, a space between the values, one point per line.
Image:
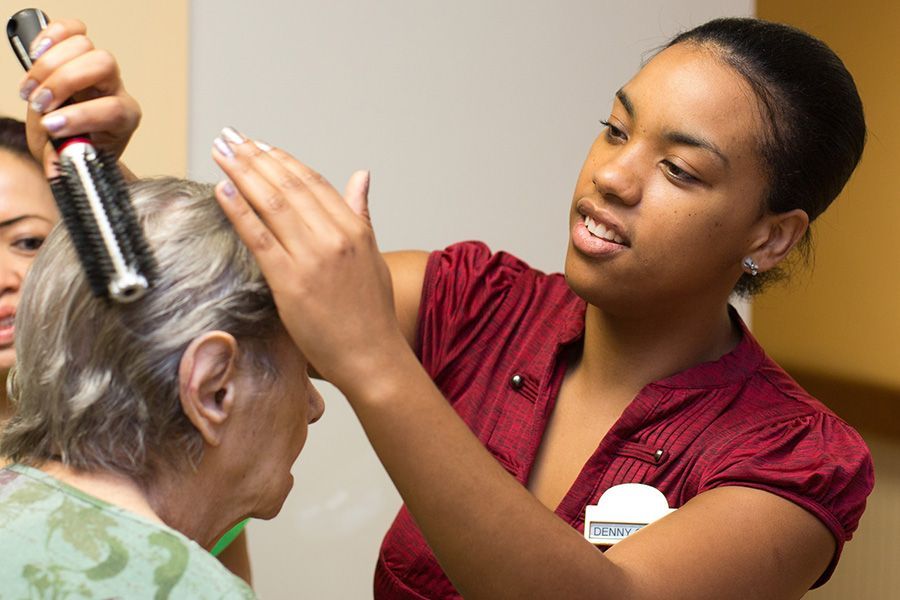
x=316 y=406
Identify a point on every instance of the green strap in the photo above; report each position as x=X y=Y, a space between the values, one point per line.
x=229 y=536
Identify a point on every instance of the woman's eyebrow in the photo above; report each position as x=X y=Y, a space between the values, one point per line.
x=686 y=139
x=626 y=102
x=677 y=137
x=15 y=220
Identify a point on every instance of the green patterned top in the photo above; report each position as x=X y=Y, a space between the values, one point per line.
x=58 y=542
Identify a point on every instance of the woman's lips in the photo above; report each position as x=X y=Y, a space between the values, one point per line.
x=593 y=245
x=7 y=330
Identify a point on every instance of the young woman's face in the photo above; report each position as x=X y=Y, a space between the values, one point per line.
x=27 y=214
x=675 y=182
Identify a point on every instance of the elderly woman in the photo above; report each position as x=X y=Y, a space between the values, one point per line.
x=109 y=114
x=144 y=431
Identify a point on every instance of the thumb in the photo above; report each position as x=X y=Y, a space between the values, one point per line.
x=356 y=194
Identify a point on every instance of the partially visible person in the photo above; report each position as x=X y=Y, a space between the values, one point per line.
x=27 y=214
x=144 y=431
x=69 y=66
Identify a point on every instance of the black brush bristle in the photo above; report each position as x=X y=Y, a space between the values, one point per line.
x=82 y=229
x=81 y=222
x=114 y=192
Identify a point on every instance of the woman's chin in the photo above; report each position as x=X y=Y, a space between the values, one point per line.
x=271 y=506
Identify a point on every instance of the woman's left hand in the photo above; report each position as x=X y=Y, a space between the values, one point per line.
x=318 y=253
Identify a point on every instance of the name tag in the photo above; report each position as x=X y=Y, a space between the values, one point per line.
x=610 y=533
x=622 y=510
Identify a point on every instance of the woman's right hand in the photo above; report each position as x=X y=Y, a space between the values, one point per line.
x=67 y=65
x=318 y=253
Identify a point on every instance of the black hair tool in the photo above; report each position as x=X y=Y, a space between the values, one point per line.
x=93 y=198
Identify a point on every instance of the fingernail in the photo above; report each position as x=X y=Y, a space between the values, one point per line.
x=262 y=146
x=41 y=47
x=29 y=86
x=228 y=189
x=42 y=100
x=54 y=123
x=233 y=136
x=223 y=148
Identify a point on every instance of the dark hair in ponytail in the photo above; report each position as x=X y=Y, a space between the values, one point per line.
x=814 y=130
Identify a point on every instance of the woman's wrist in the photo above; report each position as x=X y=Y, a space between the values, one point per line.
x=382 y=375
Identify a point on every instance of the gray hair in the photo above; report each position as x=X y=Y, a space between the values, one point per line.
x=96 y=383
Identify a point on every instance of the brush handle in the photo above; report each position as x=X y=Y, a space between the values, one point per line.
x=21 y=30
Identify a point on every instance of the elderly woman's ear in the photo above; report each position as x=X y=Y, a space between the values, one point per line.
x=206 y=376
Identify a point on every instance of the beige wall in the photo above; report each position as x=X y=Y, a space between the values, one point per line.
x=845 y=319
x=840 y=326
x=150 y=41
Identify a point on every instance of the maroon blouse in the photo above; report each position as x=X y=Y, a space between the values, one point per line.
x=497 y=337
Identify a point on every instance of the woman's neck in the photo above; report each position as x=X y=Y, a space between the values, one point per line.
x=194 y=505
x=623 y=354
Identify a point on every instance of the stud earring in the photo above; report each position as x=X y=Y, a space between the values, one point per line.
x=750 y=266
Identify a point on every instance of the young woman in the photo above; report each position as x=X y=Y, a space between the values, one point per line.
x=539 y=393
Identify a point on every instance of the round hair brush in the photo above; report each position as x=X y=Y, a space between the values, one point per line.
x=93 y=198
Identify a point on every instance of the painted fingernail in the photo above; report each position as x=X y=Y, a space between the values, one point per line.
x=42 y=46
x=232 y=135
x=228 y=189
x=42 y=100
x=29 y=86
x=54 y=123
x=262 y=146
x=223 y=148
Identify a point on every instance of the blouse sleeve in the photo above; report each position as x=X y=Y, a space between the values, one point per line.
x=464 y=287
x=817 y=462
